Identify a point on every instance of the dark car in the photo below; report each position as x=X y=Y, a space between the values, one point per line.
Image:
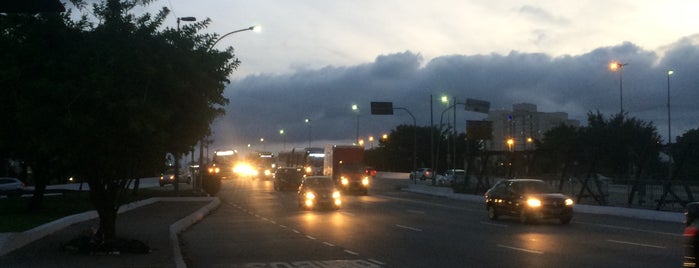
x=12 y=187
x=168 y=177
x=529 y=200
x=691 y=242
x=288 y=178
x=319 y=192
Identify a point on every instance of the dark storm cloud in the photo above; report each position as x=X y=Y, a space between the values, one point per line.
x=263 y=104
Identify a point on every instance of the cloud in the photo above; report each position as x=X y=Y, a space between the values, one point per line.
x=262 y=104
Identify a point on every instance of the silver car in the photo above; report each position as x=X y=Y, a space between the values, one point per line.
x=11 y=187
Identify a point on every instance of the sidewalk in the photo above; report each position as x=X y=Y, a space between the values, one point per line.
x=155 y=221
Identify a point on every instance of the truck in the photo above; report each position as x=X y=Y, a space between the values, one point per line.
x=345 y=164
x=223 y=163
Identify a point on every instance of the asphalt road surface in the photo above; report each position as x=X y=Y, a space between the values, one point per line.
x=258 y=227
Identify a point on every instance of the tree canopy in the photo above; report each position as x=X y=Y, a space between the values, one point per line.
x=107 y=100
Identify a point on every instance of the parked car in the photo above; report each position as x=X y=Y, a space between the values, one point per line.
x=168 y=177
x=528 y=199
x=422 y=174
x=12 y=187
x=287 y=178
x=451 y=177
x=319 y=191
x=691 y=231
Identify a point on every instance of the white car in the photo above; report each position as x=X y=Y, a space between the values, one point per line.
x=451 y=176
x=11 y=186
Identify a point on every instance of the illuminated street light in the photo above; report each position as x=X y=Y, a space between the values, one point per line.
x=510 y=143
x=617 y=66
x=384 y=137
x=281 y=132
x=308 y=121
x=355 y=108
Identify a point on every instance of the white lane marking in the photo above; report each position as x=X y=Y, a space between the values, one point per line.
x=495 y=224
x=283 y=226
x=522 y=249
x=351 y=252
x=415 y=211
x=635 y=244
x=409 y=228
x=347 y=213
x=628 y=228
x=296 y=231
x=329 y=244
x=310 y=237
x=376 y=261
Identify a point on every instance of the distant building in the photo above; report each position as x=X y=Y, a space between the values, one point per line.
x=523 y=125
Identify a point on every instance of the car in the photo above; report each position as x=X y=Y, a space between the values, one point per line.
x=319 y=192
x=451 y=177
x=530 y=200
x=12 y=187
x=287 y=178
x=371 y=171
x=422 y=174
x=691 y=231
x=168 y=177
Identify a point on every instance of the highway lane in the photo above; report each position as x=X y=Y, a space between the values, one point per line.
x=258 y=227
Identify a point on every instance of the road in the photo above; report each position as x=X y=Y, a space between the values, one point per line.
x=258 y=227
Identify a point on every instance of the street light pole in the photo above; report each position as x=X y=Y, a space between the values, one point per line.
x=356 y=109
x=251 y=28
x=308 y=121
x=669 y=130
x=614 y=66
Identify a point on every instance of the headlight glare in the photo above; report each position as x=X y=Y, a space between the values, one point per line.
x=533 y=202
x=345 y=181
x=310 y=195
x=336 y=194
x=569 y=202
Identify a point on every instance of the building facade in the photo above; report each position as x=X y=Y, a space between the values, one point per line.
x=517 y=130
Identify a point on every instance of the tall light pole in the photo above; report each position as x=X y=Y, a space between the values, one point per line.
x=618 y=66
x=201 y=143
x=355 y=108
x=281 y=132
x=669 y=130
x=308 y=122
x=251 y=28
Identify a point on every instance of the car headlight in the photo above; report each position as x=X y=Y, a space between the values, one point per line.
x=365 y=181
x=336 y=194
x=310 y=195
x=172 y=177
x=344 y=181
x=569 y=202
x=533 y=202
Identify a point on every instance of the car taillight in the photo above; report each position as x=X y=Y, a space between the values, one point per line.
x=690 y=231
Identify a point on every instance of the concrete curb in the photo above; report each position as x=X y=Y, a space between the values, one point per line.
x=12 y=241
x=590 y=209
x=179 y=226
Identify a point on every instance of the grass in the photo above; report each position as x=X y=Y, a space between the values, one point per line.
x=15 y=217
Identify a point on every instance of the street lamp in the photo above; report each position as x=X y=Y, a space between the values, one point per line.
x=308 y=122
x=251 y=28
x=262 y=141
x=184 y=19
x=281 y=132
x=355 y=108
x=669 y=131
x=510 y=143
x=614 y=66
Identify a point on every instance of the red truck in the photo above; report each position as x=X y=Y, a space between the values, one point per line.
x=345 y=164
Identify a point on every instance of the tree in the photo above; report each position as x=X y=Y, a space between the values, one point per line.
x=120 y=94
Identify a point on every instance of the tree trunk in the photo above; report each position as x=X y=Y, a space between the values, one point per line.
x=104 y=199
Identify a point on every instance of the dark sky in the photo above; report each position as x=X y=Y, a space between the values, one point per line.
x=261 y=105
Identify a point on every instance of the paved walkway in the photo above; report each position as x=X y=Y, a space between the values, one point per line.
x=153 y=224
